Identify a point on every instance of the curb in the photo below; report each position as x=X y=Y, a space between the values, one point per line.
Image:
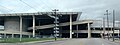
x=43 y=41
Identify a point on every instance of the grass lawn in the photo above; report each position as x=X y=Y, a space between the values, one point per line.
x=17 y=40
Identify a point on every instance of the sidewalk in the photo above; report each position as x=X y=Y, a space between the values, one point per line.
x=44 y=41
x=116 y=40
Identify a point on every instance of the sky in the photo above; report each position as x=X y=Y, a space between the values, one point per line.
x=91 y=9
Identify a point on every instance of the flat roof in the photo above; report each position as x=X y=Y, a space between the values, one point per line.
x=39 y=13
x=44 y=16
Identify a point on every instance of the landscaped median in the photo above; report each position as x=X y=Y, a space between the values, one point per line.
x=17 y=40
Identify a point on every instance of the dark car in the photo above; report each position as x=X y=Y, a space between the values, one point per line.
x=116 y=36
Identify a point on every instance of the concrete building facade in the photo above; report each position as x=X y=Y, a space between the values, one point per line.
x=42 y=25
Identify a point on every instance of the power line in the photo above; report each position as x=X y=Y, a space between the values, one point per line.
x=7 y=8
x=37 y=3
x=28 y=5
x=107 y=13
x=46 y=4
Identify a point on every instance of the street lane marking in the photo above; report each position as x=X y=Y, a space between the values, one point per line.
x=102 y=44
x=81 y=43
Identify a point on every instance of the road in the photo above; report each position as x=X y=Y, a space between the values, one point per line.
x=84 y=41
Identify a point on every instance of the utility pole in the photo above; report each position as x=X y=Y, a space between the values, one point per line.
x=107 y=22
x=104 y=28
x=113 y=24
x=56 y=24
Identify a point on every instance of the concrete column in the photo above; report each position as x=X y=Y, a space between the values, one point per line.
x=20 y=27
x=111 y=33
x=29 y=36
x=4 y=35
x=12 y=35
x=89 y=31
x=33 y=26
x=77 y=30
x=70 y=26
x=118 y=32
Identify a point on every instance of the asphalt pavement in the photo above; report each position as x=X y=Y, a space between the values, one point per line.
x=81 y=41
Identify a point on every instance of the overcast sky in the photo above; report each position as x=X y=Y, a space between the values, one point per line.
x=92 y=9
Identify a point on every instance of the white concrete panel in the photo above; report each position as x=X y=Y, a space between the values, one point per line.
x=11 y=24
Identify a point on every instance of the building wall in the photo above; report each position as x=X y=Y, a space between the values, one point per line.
x=25 y=25
x=11 y=24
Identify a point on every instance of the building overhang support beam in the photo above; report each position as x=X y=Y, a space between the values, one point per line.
x=33 y=26
x=70 y=26
x=89 y=31
x=20 y=27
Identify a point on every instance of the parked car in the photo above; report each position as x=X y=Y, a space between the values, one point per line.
x=116 y=36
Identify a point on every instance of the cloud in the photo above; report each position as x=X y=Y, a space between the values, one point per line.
x=91 y=9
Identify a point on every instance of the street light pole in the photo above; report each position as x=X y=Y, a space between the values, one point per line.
x=113 y=24
x=104 y=28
